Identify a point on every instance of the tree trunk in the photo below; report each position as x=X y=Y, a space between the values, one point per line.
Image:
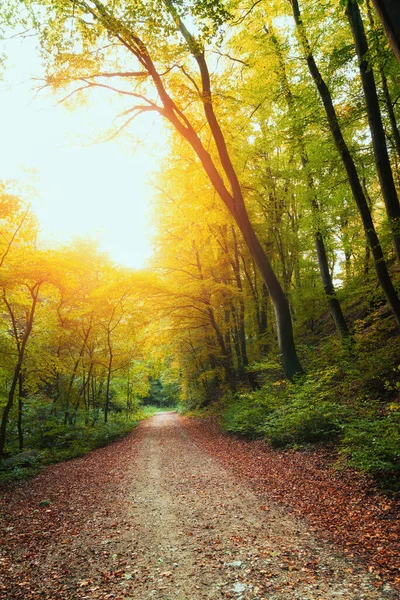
x=290 y=360
x=390 y=111
x=348 y=162
x=334 y=304
x=389 y=14
x=8 y=406
x=381 y=155
x=232 y=199
x=242 y=310
x=21 y=347
x=19 y=423
x=67 y=416
x=107 y=403
x=388 y=100
x=330 y=292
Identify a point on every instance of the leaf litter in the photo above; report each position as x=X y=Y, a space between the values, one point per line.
x=157 y=516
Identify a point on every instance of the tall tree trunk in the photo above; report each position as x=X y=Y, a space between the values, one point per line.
x=390 y=111
x=242 y=310
x=385 y=88
x=264 y=317
x=334 y=305
x=290 y=360
x=21 y=347
x=348 y=162
x=235 y=336
x=8 y=406
x=381 y=155
x=233 y=199
x=19 y=422
x=67 y=416
x=107 y=402
x=226 y=358
x=389 y=14
x=330 y=292
x=109 y=367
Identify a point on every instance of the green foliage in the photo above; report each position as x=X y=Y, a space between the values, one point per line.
x=246 y=415
x=55 y=441
x=163 y=394
x=352 y=404
x=373 y=445
x=302 y=422
x=286 y=414
x=208 y=315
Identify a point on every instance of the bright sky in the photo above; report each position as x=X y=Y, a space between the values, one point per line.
x=82 y=189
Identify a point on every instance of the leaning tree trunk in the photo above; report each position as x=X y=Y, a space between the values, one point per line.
x=107 y=402
x=389 y=14
x=21 y=347
x=333 y=303
x=20 y=406
x=348 y=162
x=233 y=199
x=385 y=88
x=290 y=360
x=381 y=155
x=8 y=406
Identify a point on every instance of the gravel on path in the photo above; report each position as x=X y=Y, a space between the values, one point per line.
x=156 y=517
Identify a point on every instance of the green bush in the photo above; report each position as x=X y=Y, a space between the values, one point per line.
x=300 y=422
x=246 y=415
x=52 y=441
x=285 y=413
x=373 y=445
x=329 y=405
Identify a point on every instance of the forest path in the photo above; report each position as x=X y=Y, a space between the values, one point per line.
x=161 y=519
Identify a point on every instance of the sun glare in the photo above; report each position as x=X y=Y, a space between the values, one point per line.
x=79 y=188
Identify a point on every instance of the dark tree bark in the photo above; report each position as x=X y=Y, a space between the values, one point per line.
x=348 y=162
x=334 y=305
x=108 y=381
x=19 y=421
x=238 y=278
x=21 y=347
x=389 y=104
x=389 y=14
x=381 y=155
x=233 y=199
x=67 y=415
x=109 y=330
x=224 y=345
x=264 y=317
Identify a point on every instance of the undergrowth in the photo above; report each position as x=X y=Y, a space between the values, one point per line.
x=51 y=441
x=349 y=398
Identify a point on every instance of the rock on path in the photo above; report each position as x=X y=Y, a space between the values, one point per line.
x=164 y=520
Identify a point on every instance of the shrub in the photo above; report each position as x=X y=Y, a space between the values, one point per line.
x=246 y=415
x=300 y=422
x=373 y=445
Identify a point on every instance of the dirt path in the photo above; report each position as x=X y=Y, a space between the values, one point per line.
x=162 y=519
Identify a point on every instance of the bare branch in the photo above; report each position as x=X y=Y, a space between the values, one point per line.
x=116 y=74
x=83 y=87
x=246 y=14
x=141 y=109
x=113 y=89
x=191 y=79
x=226 y=55
x=7 y=250
x=114 y=135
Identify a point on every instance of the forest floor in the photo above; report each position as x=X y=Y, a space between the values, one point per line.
x=157 y=516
